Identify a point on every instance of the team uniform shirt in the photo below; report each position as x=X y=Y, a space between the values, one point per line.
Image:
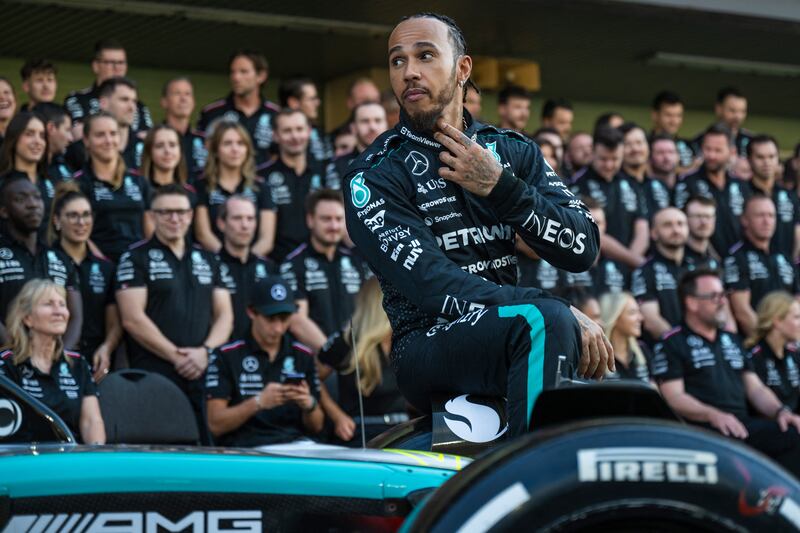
x=787 y=211
x=179 y=296
x=621 y=199
x=385 y=398
x=240 y=370
x=193 y=148
x=288 y=192
x=741 y=141
x=240 y=278
x=59 y=169
x=749 y=268
x=694 y=259
x=62 y=389
x=730 y=204
x=85 y=102
x=711 y=371
x=685 y=147
x=782 y=375
x=337 y=168
x=657 y=280
x=118 y=213
x=439 y=251
x=636 y=370
x=319 y=145
x=656 y=195
x=47 y=190
x=605 y=276
x=329 y=287
x=18 y=266
x=96 y=282
x=258 y=193
x=259 y=124
x=132 y=154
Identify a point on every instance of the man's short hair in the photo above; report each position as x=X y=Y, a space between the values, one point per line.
x=610 y=138
x=687 y=286
x=726 y=92
x=222 y=212
x=544 y=130
x=109 y=87
x=5 y=199
x=512 y=91
x=605 y=119
x=628 y=127
x=755 y=197
x=762 y=138
x=292 y=88
x=169 y=82
x=707 y=201
x=666 y=98
x=32 y=66
x=322 y=195
x=258 y=60
x=718 y=129
x=50 y=112
x=285 y=112
x=106 y=44
x=660 y=137
x=550 y=106
x=169 y=190
x=457 y=40
x=354 y=112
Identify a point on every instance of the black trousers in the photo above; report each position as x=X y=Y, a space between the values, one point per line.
x=505 y=350
x=782 y=446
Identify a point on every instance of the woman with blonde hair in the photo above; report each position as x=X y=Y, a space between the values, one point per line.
x=119 y=198
x=36 y=360
x=384 y=404
x=230 y=169
x=773 y=346
x=622 y=323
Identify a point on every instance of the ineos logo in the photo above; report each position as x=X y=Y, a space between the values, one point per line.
x=472 y=422
x=10 y=417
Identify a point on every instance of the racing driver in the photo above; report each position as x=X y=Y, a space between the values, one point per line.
x=435 y=205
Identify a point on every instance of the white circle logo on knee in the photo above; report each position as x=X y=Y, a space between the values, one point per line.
x=10 y=417
x=473 y=422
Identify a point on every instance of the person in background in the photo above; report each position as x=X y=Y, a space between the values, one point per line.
x=120 y=199
x=577 y=155
x=301 y=94
x=38 y=82
x=344 y=140
x=667 y=116
x=514 y=108
x=69 y=230
x=472 y=102
x=8 y=105
x=664 y=158
x=163 y=160
x=701 y=216
x=773 y=346
x=230 y=170
x=177 y=101
x=369 y=121
x=384 y=404
x=557 y=113
x=622 y=321
x=35 y=359
x=58 y=127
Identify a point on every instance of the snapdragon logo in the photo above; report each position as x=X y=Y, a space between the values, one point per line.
x=359 y=192
x=472 y=422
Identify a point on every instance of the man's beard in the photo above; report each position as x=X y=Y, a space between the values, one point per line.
x=425 y=121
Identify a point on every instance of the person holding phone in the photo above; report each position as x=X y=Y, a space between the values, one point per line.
x=264 y=389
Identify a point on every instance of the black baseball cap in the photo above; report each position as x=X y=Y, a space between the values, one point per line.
x=272 y=296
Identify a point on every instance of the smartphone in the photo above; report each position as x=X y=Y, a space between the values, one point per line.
x=292 y=378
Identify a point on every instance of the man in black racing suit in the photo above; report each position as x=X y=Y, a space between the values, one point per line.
x=436 y=215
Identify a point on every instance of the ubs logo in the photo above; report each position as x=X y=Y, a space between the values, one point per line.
x=417 y=162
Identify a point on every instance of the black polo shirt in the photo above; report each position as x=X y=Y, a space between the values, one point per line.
x=47 y=190
x=84 y=102
x=118 y=213
x=132 y=154
x=240 y=278
x=337 y=168
x=179 y=296
x=782 y=375
x=610 y=276
x=96 y=281
x=748 y=267
x=259 y=124
x=694 y=259
x=240 y=370
x=193 y=149
x=657 y=280
x=711 y=371
x=59 y=169
x=258 y=193
x=621 y=199
x=605 y=276
x=385 y=398
x=289 y=191
x=636 y=370
x=319 y=145
x=18 y=266
x=656 y=195
x=787 y=217
x=730 y=204
x=741 y=141
x=328 y=286
x=62 y=390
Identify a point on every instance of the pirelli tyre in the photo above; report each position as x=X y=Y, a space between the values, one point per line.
x=616 y=475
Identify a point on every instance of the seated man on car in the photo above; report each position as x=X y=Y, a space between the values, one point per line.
x=264 y=389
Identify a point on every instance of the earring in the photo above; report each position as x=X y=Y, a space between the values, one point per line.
x=460 y=83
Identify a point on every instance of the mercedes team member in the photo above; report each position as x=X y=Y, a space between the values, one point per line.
x=369 y=121
x=434 y=205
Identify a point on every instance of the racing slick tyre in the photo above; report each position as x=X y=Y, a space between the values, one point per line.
x=616 y=475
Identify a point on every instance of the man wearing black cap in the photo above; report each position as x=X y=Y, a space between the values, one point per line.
x=264 y=389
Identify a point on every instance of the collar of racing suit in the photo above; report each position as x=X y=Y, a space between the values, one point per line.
x=426 y=138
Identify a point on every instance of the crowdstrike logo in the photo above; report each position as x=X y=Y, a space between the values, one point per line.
x=10 y=417
x=472 y=422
